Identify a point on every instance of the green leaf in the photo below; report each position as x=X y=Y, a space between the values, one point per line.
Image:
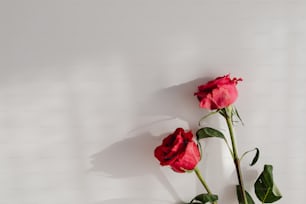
x=255 y=159
x=204 y=198
x=209 y=132
x=265 y=188
x=240 y=198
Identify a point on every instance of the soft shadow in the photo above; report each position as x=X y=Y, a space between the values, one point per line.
x=129 y=157
x=132 y=157
x=176 y=101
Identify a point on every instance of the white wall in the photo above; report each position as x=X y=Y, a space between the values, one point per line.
x=89 y=88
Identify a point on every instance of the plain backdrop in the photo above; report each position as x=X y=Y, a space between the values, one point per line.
x=89 y=88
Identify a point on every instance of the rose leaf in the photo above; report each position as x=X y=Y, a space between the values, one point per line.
x=207 y=132
x=265 y=188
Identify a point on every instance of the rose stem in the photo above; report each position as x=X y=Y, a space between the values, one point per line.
x=200 y=177
x=228 y=118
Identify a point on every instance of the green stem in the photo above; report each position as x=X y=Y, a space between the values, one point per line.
x=198 y=173
x=228 y=118
x=203 y=182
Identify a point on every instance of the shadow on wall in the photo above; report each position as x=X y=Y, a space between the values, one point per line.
x=123 y=158
x=134 y=155
x=131 y=157
x=176 y=101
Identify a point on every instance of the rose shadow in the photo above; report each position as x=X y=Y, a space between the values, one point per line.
x=176 y=101
x=130 y=158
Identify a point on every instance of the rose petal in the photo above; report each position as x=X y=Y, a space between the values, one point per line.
x=188 y=159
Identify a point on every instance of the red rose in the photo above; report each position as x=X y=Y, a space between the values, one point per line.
x=218 y=93
x=179 y=151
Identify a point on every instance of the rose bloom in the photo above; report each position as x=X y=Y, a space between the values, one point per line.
x=218 y=93
x=179 y=151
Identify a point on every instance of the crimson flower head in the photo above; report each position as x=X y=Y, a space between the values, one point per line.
x=179 y=151
x=218 y=93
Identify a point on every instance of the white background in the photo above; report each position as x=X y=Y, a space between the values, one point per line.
x=89 y=88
